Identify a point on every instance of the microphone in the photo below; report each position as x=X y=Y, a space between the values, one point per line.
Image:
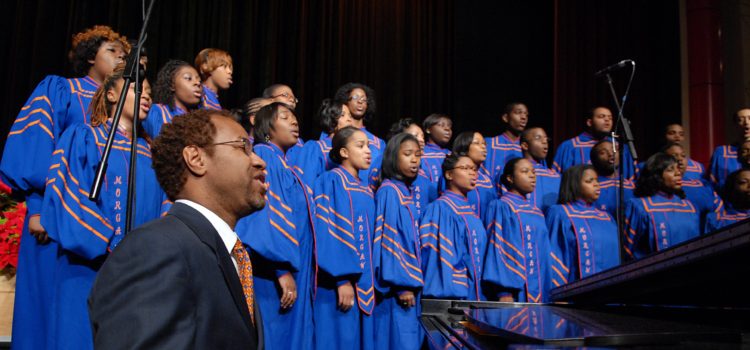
x=614 y=67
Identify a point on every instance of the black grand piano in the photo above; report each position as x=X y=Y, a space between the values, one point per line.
x=695 y=295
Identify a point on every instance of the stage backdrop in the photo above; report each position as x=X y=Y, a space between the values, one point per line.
x=463 y=58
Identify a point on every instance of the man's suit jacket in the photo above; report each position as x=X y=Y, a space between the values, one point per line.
x=171 y=284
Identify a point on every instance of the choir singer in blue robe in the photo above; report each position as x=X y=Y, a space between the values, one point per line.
x=55 y=104
x=83 y=231
x=453 y=238
x=504 y=147
x=177 y=90
x=724 y=159
x=659 y=216
x=736 y=204
x=704 y=198
x=344 y=220
x=472 y=145
x=606 y=162
x=395 y=251
x=281 y=236
x=515 y=265
x=535 y=146
x=599 y=123
x=583 y=238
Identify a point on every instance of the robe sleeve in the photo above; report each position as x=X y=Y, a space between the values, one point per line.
x=271 y=232
x=157 y=116
x=563 y=157
x=336 y=243
x=636 y=243
x=504 y=264
x=70 y=218
x=394 y=254
x=445 y=273
x=31 y=141
x=311 y=162
x=563 y=252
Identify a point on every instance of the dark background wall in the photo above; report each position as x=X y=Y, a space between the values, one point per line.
x=464 y=58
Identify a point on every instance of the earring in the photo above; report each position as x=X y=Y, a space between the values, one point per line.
x=268 y=138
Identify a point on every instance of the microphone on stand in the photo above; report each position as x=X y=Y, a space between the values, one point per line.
x=614 y=67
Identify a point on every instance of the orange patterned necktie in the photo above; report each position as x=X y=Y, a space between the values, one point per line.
x=245 y=270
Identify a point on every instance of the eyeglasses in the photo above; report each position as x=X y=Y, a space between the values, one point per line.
x=287 y=96
x=357 y=98
x=243 y=143
x=467 y=167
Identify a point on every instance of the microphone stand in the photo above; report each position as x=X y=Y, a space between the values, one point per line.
x=131 y=74
x=627 y=137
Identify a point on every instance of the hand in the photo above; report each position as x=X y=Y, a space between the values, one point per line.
x=407 y=299
x=37 y=230
x=345 y=296
x=506 y=299
x=255 y=106
x=288 y=290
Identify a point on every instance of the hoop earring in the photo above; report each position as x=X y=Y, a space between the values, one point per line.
x=267 y=138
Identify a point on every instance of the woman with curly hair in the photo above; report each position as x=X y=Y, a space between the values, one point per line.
x=177 y=90
x=360 y=99
x=660 y=216
x=83 y=232
x=56 y=104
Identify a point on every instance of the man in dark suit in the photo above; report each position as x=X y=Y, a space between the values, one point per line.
x=178 y=282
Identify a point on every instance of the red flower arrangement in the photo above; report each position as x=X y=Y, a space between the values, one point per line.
x=12 y=214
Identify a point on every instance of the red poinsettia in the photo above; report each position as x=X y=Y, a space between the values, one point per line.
x=11 y=224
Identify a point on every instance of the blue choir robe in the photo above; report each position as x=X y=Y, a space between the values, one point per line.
x=609 y=187
x=396 y=262
x=481 y=196
x=694 y=171
x=583 y=241
x=82 y=231
x=547 y=187
x=501 y=149
x=159 y=115
x=210 y=99
x=723 y=162
x=724 y=216
x=281 y=240
x=517 y=250
x=433 y=157
x=453 y=244
x=293 y=154
x=344 y=221
x=577 y=151
x=55 y=104
x=658 y=222
x=423 y=190
x=703 y=197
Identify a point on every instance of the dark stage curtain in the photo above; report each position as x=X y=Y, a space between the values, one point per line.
x=463 y=58
x=403 y=49
x=592 y=34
